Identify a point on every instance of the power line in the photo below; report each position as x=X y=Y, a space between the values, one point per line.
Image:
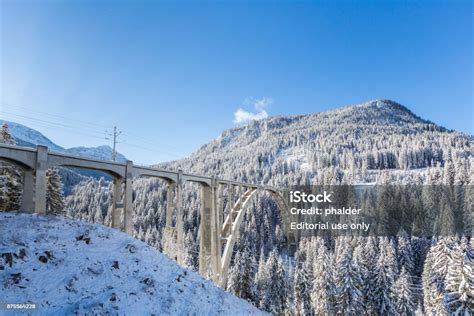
x=92 y=132
x=52 y=125
x=54 y=115
x=94 y=127
x=149 y=141
x=152 y=150
x=51 y=122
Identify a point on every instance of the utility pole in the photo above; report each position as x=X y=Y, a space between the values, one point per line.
x=115 y=135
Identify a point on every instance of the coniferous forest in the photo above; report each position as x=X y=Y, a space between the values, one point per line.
x=379 y=142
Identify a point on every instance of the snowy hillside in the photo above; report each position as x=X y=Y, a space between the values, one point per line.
x=26 y=136
x=103 y=152
x=69 y=267
x=313 y=148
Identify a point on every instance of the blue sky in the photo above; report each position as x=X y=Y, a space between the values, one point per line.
x=173 y=75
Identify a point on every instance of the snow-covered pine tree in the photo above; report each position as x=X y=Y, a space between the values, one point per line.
x=434 y=275
x=272 y=284
x=429 y=288
x=445 y=222
x=449 y=172
x=348 y=282
x=192 y=252
x=242 y=274
x=405 y=255
x=11 y=178
x=279 y=284
x=402 y=295
x=468 y=210
x=459 y=297
x=420 y=248
x=302 y=287
x=169 y=243
x=10 y=192
x=365 y=254
x=386 y=272
x=54 y=193
x=5 y=135
x=262 y=279
x=323 y=291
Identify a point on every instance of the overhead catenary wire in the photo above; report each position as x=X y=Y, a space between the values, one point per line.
x=57 y=116
x=54 y=123
x=53 y=126
x=97 y=127
x=148 y=141
x=76 y=127
x=150 y=149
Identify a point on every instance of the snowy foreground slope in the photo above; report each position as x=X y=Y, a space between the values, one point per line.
x=69 y=267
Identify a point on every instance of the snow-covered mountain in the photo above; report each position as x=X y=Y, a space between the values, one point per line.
x=26 y=136
x=29 y=137
x=280 y=150
x=103 y=152
x=68 y=267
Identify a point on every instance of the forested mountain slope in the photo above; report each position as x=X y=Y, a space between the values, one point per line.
x=375 y=141
x=346 y=143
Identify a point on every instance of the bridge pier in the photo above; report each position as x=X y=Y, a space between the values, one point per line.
x=40 y=181
x=209 y=248
x=128 y=199
x=117 y=202
x=178 y=229
x=216 y=246
x=231 y=196
x=219 y=208
x=179 y=220
x=27 y=202
x=169 y=205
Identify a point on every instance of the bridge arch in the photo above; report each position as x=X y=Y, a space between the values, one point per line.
x=170 y=179
x=232 y=223
x=112 y=168
x=168 y=176
x=25 y=159
x=27 y=174
x=230 y=230
x=18 y=164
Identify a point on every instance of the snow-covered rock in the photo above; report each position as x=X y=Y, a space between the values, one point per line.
x=69 y=267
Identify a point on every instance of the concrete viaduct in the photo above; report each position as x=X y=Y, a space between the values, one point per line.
x=217 y=234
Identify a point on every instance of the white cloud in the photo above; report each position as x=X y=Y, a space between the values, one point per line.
x=241 y=116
